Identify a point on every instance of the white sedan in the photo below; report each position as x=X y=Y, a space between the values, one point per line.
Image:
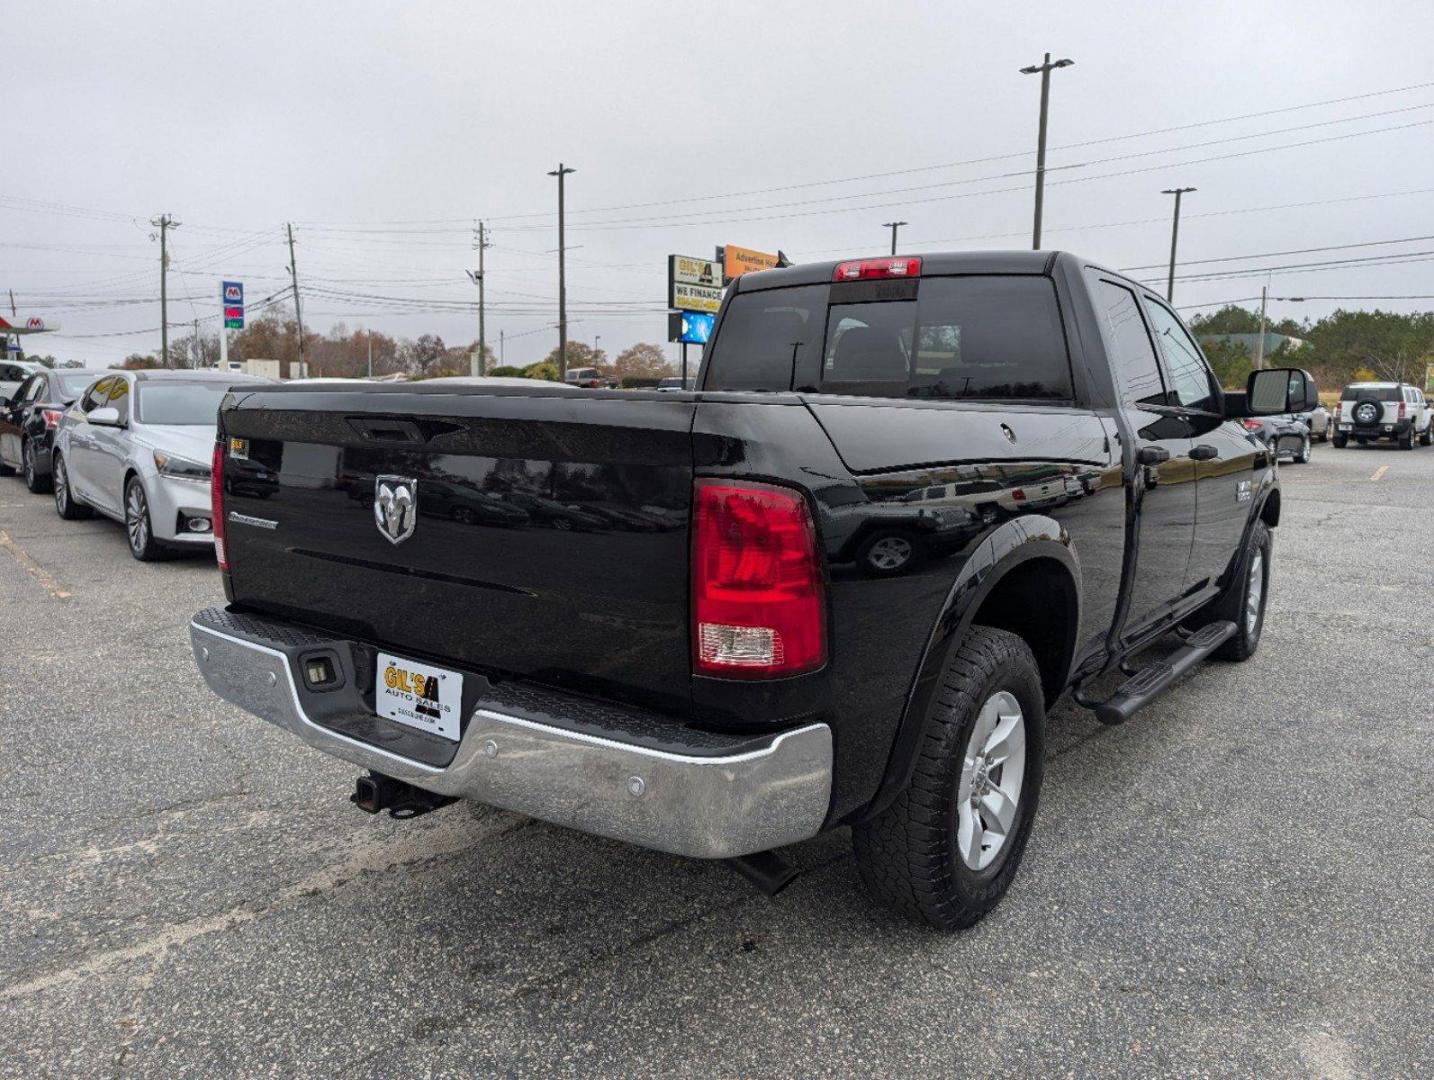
x=137 y=447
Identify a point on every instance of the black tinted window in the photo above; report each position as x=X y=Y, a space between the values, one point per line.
x=1370 y=393
x=989 y=337
x=1189 y=375
x=765 y=336
x=1136 y=370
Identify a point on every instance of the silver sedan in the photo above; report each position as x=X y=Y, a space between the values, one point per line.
x=136 y=447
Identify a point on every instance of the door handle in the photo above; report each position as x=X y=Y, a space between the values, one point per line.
x=1152 y=455
x=1204 y=452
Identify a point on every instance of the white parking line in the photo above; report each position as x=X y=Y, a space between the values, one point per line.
x=1380 y=472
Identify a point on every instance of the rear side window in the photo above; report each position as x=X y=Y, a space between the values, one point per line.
x=1137 y=371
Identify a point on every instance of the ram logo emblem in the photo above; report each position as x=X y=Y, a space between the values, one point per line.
x=395 y=507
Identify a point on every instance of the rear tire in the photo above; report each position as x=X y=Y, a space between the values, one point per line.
x=1406 y=441
x=1340 y=441
x=38 y=485
x=1427 y=439
x=947 y=847
x=1306 y=452
x=65 y=504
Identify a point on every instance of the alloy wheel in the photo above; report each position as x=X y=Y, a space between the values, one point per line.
x=28 y=463
x=62 y=486
x=992 y=774
x=1254 y=593
x=136 y=518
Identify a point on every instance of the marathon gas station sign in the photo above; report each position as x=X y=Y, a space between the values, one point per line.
x=231 y=293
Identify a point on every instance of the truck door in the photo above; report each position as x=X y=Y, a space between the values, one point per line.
x=1164 y=476
x=1225 y=455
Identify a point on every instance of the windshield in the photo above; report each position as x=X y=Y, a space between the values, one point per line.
x=181 y=403
x=72 y=386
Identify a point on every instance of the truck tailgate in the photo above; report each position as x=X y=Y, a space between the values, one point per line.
x=550 y=540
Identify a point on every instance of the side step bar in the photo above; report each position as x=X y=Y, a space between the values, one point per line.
x=1149 y=683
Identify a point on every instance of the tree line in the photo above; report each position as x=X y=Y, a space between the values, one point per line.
x=1343 y=347
x=355 y=353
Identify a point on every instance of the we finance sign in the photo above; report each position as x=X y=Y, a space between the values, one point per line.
x=693 y=284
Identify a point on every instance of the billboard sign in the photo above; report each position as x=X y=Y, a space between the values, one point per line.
x=690 y=327
x=693 y=284
x=737 y=261
x=694 y=297
x=232 y=295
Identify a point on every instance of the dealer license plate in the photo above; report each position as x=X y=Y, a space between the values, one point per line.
x=418 y=695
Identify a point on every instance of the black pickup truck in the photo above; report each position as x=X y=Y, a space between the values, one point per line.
x=912 y=502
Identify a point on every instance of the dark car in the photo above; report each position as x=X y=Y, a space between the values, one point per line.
x=916 y=501
x=28 y=420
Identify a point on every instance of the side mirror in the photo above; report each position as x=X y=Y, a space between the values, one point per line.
x=1280 y=390
x=108 y=416
x=4 y=400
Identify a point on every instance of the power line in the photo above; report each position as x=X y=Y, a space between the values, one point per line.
x=1276 y=254
x=913 y=170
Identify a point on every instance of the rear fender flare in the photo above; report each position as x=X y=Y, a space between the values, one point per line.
x=1012 y=544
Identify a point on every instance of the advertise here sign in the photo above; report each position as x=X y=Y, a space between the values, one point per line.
x=737 y=261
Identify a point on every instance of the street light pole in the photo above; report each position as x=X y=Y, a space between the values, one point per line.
x=560 y=172
x=1045 y=70
x=893 y=226
x=1174 y=239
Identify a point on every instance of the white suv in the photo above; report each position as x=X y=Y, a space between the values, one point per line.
x=1384 y=410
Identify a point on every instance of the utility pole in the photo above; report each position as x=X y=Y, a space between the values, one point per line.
x=298 y=313
x=13 y=315
x=1174 y=239
x=893 y=226
x=560 y=172
x=197 y=352
x=369 y=335
x=1045 y=68
x=164 y=223
x=480 y=366
x=502 y=334
x=1260 y=341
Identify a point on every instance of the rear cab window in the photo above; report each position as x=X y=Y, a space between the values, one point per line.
x=972 y=337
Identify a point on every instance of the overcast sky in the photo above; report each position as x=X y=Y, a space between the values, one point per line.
x=383 y=131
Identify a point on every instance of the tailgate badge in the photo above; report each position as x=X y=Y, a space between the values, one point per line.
x=395 y=507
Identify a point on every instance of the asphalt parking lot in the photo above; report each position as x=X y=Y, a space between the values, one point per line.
x=1240 y=881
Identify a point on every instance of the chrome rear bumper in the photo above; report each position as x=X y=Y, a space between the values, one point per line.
x=704 y=804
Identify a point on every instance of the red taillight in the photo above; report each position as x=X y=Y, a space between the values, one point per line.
x=52 y=418
x=216 y=503
x=757 y=606
x=1401 y=409
x=1253 y=425
x=867 y=269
